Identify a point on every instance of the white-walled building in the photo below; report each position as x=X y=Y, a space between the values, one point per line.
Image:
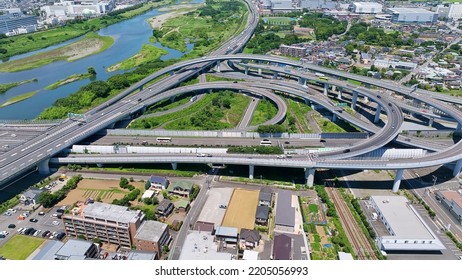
x=366 y=8
x=81 y=8
x=407 y=230
x=416 y=15
x=455 y=11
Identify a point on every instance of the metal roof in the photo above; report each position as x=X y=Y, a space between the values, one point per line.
x=110 y=212
x=48 y=251
x=285 y=213
x=226 y=231
x=282 y=247
x=74 y=247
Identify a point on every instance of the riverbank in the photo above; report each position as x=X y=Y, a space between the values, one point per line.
x=91 y=44
x=25 y=43
x=68 y=80
x=175 y=11
x=18 y=98
x=146 y=54
x=5 y=87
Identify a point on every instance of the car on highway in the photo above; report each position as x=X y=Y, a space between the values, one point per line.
x=201 y=155
x=280 y=156
x=33 y=220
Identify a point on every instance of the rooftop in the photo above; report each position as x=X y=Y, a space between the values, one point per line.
x=141 y=255
x=262 y=212
x=282 y=247
x=181 y=184
x=250 y=235
x=226 y=231
x=285 y=213
x=74 y=247
x=200 y=246
x=401 y=217
x=111 y=212
x=452 y=196
x=345 y=256
x=181 y=203
x=151 y=231
x=158 y=180
x=48 y=251
x=250 y=255
x=410 y=10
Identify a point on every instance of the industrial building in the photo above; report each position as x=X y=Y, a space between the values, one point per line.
x=76 y=249
x=80 y=8
x=152 y=236
x=412 y=15
x=17 y=23
x=407 y=230
x=395 y=64
x=366 y=8
x=110 y=223
x=452 y=200
x=317 y=4
x=453 y=11
x=280 y=6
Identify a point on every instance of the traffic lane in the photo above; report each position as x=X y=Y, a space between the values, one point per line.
x=215 y=141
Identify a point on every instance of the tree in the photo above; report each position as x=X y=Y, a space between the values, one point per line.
x=147 y=201
x=155 y=201
x=47 y=199
x=91 y=71
x=147 y=185
x=123 y=182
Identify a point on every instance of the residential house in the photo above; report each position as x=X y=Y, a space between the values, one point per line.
x=181 y=188
x=262 y=215
x=165 y=208
x=30 y=197
x=181 y=205
x=265 y=197
x=249 y=238
x=158 y=183
x=282 y=247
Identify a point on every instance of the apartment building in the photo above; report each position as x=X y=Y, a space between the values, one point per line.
x=110 y=223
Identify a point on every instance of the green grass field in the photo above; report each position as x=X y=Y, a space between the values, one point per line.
x=277 y=20
x=19 y=247
x=298 y=110
x=146 y=54
x=265 y=111
x=18 y=98
x=68 y=80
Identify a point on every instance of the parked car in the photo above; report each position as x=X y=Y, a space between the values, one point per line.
x=33 y=220
x=41 y=213
x=11 y=226
x=2 y=236
x=56 y=223
x=60 y=236
x=45 y=233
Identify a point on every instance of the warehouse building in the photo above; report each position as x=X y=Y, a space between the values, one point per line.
x=452 y=200
x=366 y=8
x=409 y=15
x=407 y=230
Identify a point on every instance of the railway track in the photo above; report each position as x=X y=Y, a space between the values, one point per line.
x=358 y=240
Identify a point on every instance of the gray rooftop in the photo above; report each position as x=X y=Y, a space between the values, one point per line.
x=111 y=212
x=74 y=247
x=151 y=231
x=141 y=255
x=409 y=10
x=264 y=196
x=285 y=213
x=200 y=246
x=48 y=251
x=401 y=217
x=226 y=231
x=262 y=212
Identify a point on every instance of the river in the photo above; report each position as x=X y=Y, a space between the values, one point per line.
x=129 y=36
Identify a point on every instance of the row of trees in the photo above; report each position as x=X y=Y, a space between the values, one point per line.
x=265 y=150
x=325 y=26
x=48 y=199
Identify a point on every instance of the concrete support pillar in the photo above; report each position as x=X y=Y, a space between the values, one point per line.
x=377 y=113
x=307 y=102
x=141 y=87
x=275 y=75
x=366 y=99
x=459 y=126
x=99 y=165
x=143 y=110
x=174 y=165
x=309 y=176
x=218 y=66
x=334 y=88
x=259 y=71
x=334 y=118
x=354 y=100
x=457 y=168
x=302 y=81
x=43 y=167
x=210 y=90
x=246 y=70
x=397 y=182
x=326 y=89
x=172 y=99
x=171 y=73
x=430 y=121
x=251 y=171
x=339 y=94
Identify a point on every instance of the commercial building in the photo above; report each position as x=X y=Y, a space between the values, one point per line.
x=317 y=4
x=396 y=64
x=12 y=21
x=78 y=8
x=76 y=249
x=285 y=213
x=407 y=230
x=366 y=8
x=280 y=6
x=110 y=223
x=152 y=236
x=409 y=15
x=452 y=200
x=455 y=11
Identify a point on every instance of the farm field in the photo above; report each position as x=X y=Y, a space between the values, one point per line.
x=241 y=209
x=107 y=190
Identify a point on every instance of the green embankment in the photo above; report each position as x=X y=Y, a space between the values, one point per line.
x=264 y=111
x=68 y=80
x=214 y=111
x=147 y=53
x=91 y=44
x=18 y=98
x=5 y=87
x=38 y=40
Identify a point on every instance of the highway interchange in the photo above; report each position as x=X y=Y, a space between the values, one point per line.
x=38 y=150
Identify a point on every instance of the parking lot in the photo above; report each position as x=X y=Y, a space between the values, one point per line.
x=211 y=212
x=44 y=222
